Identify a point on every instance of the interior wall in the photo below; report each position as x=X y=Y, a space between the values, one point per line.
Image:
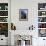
x=32 y=6
x=32 y=13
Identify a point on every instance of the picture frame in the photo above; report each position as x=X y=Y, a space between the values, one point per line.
x=23 y=14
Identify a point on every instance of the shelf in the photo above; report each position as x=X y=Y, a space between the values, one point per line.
x=3 y=16
x=41 y=10
x=4 y=19
x=42 y=19
x=3 y=22
x=42 y=16
x=41 y=28
x=3 y=10
x=42 y=37
x=41 y=22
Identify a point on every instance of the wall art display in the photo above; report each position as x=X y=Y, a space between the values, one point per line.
x=23 y=14
x=6 y=7
x=42 y=33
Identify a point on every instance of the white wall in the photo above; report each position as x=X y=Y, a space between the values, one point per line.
x=23 y=4
x=32 y=6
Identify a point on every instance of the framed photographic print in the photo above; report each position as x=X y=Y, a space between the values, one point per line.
x=23 y=14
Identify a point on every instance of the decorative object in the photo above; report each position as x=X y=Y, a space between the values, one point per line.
x=23 y=14
x=43 y=13
x=31 y=27
x=42 y=19
x=3 y=13
x=42 y=32
x=0 y=7
x=4 y=29
x=13 y=27
x=3 y=6
x=41 y=25
x=41 y=6
x=6 y=7
x=3 y=19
